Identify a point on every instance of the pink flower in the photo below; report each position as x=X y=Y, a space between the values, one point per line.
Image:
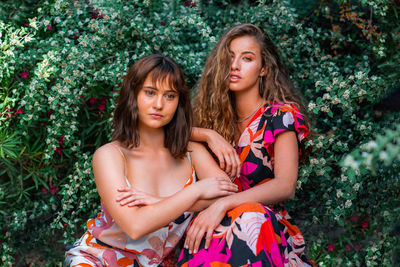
x=19 y=111
x=357 y=247
x=24 y=75
x=58 y=151
x=26 y=24
x=49 y=28
x=44 y=190
x=49 y=112
x=75 y=36
x=348 y=247
x=188 y=3
x=194 y=3
x=92 y=100
x=331 y=247
x=163 y=23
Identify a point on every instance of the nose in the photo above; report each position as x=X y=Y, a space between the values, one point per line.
x=235 y=65
x=158 y=102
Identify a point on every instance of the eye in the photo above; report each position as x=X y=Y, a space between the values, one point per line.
x=170 y=96
x=149 y=92
x=247 y=59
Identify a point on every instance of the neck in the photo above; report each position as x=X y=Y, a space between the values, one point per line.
x=151 y=138
x=246 y=102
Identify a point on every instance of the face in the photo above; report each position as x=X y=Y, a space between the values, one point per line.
x=246 y=68
x=157 y=103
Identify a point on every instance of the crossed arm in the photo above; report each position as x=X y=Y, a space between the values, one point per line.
x=138 y=221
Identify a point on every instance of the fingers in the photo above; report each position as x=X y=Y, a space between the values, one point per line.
x=228 y=165
x=208 y=238
x=124 y=195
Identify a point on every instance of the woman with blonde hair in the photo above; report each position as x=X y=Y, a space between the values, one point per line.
x=245 y=98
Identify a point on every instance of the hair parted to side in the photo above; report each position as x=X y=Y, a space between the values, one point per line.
x=214 y=103
x=126 y=118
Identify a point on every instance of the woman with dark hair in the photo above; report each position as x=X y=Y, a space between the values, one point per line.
x=149 y=151
x=246 y=99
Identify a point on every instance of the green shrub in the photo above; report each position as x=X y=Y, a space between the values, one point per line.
x=61 y=63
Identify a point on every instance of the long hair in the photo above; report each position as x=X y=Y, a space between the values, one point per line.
x=214 y=104
x=126 y=117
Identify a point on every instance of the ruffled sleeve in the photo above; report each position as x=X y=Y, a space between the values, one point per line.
x=283 y=118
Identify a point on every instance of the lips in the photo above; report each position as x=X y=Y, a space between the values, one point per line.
x=156 y=116
x=234 y=78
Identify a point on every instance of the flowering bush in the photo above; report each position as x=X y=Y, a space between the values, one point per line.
x=60 y=69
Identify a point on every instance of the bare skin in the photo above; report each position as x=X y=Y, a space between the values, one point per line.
x=164 y=180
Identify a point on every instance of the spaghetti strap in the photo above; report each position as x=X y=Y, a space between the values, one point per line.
x=123 y=158
x=189 y=158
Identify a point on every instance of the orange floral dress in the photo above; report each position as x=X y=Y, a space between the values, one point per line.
x=253 y=234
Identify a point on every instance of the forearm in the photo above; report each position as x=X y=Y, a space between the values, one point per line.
x=200 y=134
x=166 y=210
x=268 y=193
x=202 y=204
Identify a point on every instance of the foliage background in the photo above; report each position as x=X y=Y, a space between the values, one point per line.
x=60 y=66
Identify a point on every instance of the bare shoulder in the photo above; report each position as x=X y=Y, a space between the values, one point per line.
x=107 y=154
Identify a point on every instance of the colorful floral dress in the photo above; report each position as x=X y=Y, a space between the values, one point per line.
x=252 y=234
x=106 y=244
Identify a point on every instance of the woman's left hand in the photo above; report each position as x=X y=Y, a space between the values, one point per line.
x=204 y=224
x=133 y=197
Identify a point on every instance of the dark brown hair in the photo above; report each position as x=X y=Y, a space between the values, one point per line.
x=126 y=119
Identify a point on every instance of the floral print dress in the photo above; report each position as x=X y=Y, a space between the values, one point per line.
x=106 y=244
x=252 y=234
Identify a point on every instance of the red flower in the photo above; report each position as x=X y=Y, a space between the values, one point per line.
x=92 y=100
x=61 y=140
x=52 y=189
x=188 y=3
x=19 y=111
x=75 y=36
x=44 y=190
x=163 y=23
x=49 y=28
x=357 y=247
x=365 y=223
x=348 y=247
x=102 y=106
x=24 y=75
x=355 y=218
x=58 y=151
x=331 y=247
x=49 y=112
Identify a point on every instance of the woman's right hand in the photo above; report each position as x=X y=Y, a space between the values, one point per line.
x=210 y=188
x=228 y=158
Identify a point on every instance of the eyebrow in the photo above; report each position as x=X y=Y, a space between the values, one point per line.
x=154 y=88
x=244 y=52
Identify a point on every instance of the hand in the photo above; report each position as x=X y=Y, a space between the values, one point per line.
x=133 y=197
x=210 y=188
x=204 y=224
x=228 y=158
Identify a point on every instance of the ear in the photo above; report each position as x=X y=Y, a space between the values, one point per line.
x=263 y=71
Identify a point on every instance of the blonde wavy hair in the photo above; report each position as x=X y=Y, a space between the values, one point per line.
x=214 y=103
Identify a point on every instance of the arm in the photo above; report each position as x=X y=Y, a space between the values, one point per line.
x=205 y=167
x=140 y=220
x=228 y=159
x=281 y=188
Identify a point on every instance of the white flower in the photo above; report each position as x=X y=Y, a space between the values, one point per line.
x=339 y=193
x=311 y=106
x=356 y=186
x=346 y=94
x=326 y=96
x=342 y=85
